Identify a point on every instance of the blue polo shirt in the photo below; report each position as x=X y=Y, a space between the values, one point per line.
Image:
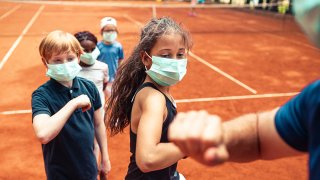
x=70 y=154
x=110 y=54
x=298 y=123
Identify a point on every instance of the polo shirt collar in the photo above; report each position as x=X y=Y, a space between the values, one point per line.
x=62 y=88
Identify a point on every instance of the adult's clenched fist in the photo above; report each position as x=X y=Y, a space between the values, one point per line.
x=199 y=135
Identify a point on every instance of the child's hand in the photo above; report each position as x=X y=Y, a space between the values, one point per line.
x=105 y=168
x=83 y=102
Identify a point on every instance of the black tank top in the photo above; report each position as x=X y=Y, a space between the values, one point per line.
x=169 y=173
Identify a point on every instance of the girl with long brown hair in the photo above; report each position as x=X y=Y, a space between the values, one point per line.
x=141 y=98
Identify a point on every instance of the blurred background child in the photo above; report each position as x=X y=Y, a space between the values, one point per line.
x=93 y=70
x=192 y=8
x=111 y=51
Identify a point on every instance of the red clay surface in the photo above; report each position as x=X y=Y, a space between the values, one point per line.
x=267 y=53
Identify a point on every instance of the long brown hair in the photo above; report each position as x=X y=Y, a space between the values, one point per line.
x=131 y=73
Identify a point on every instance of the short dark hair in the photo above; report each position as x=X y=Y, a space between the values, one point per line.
x=86 y=35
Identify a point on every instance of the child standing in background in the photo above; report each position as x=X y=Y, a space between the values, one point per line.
x=92 y=69
x=111 y=51
x=67 y=113
x=192 y=8
x=141 y=98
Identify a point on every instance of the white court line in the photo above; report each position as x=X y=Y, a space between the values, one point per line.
x=9 y=12
x=132 y=5
x=132 y=20
x=226 y=98
x=222 y=73
x=25 y=30
x=16 y=112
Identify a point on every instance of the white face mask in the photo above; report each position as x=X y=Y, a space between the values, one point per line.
x=90 y=58
x=167 y=72
x=110 y=36
x=64 y=72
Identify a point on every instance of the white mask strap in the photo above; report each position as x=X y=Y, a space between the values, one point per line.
x=148 y=55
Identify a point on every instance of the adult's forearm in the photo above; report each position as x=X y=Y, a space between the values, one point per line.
x=241 y=138
x=254 y=136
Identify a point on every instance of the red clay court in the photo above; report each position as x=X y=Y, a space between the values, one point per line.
x=242 y=61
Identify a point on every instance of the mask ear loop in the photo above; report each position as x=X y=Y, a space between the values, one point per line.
x=148 y=57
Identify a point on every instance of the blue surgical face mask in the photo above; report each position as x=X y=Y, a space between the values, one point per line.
x=110 y=36
x=307 y=13
x=167 y=72
x=64 y=72
x=90 y=58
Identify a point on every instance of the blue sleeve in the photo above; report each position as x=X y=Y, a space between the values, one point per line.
x=294 y=118
x=40 y=104
x=121 y=54
x=99 y=47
